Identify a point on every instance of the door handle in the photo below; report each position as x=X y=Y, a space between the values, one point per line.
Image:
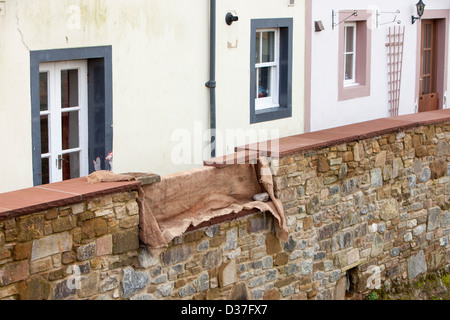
x=59 y=161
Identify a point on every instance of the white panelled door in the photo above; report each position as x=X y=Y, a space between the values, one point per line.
x=64 y=120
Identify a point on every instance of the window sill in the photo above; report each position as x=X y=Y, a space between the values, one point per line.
x=270 y=114
x=351 y=84
x=353 y=91
x=266 y=107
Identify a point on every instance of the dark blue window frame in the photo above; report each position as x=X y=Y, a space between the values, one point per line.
x=100 y=132
x=284 y=110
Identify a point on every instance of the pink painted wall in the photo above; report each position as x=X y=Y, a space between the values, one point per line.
x=326 y=104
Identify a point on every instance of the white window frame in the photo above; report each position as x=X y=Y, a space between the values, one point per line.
x=272 y=101
x=352 y=81
x=55 y=111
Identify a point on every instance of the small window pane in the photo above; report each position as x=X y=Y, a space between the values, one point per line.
x=258 y=47
x=264 y=83
x=71 y=165
x=43 y=91
x=44 y=134
x=349 y=39
x=70 y=130
x=349 y=67
x=425 y=62
x=45 y=170
x=69 y=88
x=268 y=46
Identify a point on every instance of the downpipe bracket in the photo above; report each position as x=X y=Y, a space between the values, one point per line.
x=211 y=84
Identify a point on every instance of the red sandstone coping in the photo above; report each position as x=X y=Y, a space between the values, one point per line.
x=59 y=194
x=331 y=137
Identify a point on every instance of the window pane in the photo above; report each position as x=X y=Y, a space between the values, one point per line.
x=349 y=39
x=70 y=130
x=45 y=170
x=44 y=134
x=69 y=88
x=256 y=84
x=424 y=85
x=348 y=73
x=71 y=165
x=268 y=46
x=43 y=90
x=424 y=66
x=258 y=47
x=264 y=83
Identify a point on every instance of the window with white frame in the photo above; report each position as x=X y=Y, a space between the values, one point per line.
x=354 y=52
x=271 y=42
x=350 y=53
x=267 y=68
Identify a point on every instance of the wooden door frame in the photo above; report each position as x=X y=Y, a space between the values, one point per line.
x=442 y=54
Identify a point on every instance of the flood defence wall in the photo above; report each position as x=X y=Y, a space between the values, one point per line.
x=371 y=207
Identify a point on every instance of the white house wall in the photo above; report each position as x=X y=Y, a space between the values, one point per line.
x=233 y=67
x=160 y=63
x=325 y=109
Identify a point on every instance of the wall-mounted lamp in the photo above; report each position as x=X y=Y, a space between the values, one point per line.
x=420 y=10
x=230 y=18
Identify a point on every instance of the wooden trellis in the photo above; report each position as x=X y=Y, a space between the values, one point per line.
x=395 y=40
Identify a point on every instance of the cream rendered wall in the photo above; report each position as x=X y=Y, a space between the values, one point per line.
x=160 y=53
x=233 y=70
x=326 y=110
x=160 y=56
x=15 y=111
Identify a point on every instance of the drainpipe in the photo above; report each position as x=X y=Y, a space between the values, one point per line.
x=211 y=84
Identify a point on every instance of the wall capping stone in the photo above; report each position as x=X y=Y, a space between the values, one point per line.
x=53 y=195
x=329 y=137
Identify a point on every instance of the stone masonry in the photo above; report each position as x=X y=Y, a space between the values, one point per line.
x=374 y=211
x=70 y=252
x=376 y=207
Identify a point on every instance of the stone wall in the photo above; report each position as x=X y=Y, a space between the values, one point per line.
x=375 y=209
x=71 y=252
x=91 y=250
x=372 y=210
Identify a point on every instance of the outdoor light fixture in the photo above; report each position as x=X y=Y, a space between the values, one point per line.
x=420 y=9
x=229 y=18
